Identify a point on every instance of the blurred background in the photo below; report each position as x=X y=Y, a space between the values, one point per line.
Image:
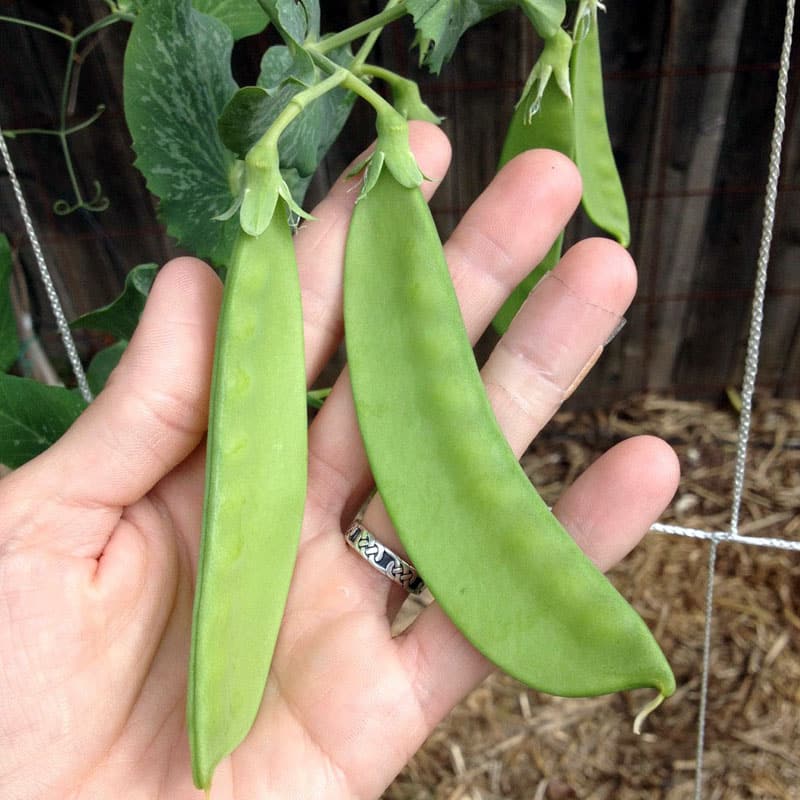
x=690 y=92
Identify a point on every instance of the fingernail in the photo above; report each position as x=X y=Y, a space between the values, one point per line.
x=613 y=335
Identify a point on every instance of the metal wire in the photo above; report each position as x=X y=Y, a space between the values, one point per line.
x=47 y=281
x=750 y=373
x=727 y=536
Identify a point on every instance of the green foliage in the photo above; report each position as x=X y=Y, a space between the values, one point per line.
x=9 y=342
x=297 y=20
x=32 y=417
x=545 y=15
x=121 y=316
x=306 y=140
x=178 y=79
x=102 y=365
x=441 y=23
x=243 y=17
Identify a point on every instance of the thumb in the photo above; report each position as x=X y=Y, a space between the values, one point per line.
x=149 y=417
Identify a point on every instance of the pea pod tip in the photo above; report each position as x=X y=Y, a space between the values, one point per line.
x=646 y=711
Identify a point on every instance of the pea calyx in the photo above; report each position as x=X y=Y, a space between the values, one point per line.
x=393 y=151
x=553 y=63
x=263 y=184
x=584 y=17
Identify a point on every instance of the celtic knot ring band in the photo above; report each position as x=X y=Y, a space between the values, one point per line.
x=383 y=559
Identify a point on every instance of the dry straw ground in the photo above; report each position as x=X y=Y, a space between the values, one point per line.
x=506 y=741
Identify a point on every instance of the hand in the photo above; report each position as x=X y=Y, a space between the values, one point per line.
x=99 y=535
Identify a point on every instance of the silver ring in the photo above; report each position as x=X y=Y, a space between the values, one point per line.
x=383 y=559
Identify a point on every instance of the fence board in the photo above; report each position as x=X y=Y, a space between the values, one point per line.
x=690 y=88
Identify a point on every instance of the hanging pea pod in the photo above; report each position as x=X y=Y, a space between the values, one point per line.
x=603 y=196
x=255 y=492
x=495 y=558
x=578 y=129
x=551 y=125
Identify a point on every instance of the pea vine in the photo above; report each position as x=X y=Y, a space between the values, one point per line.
x=79 y=45
x=218 y=156
x=230 y=166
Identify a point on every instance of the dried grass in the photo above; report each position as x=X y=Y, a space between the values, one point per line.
x=506 y=741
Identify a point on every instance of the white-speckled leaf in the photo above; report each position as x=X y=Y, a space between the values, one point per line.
x=177 y=81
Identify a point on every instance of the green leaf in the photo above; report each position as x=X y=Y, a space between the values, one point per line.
x=102 y=365
x=177 y=80
x=121 y=316
x=546 y=15
x=246 y=117
x=296 y=20
x=441 y=23
x=243 y=17
x=9 y=341
x=32 y=417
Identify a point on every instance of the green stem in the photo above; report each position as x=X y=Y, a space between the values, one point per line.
x=37 y=26
x=366 y=48
x=292 y=110
x=381 y=73
x=62 y=122
x=50 y=132
x=105 y=22
x=393 y=11
x=353 y=83
x=63 y=131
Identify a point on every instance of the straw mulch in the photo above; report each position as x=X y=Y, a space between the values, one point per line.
x=506 y=741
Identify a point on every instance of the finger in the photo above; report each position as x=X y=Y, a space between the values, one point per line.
x=320 y=246
x=607 y=509
x=553 y=341
x=490 y=251
x=557 y=336
x=153 y=411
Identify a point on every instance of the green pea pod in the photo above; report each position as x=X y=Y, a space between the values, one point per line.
x=495 y=558
x=255 y=492
x=603 y=196
x=551 y=126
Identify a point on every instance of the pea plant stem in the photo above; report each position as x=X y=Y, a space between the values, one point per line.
x=370 y=27
x=64 y=131
x=37 y=26
x=366 y=47
x=293 y=109
x=352 y=82
x=79 y=126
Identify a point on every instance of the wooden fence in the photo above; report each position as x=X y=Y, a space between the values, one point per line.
x=690 y=89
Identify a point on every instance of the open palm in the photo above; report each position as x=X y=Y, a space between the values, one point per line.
x=99 y=536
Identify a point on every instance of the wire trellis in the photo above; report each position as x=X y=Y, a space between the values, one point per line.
x=715 y=538
x=748 y=390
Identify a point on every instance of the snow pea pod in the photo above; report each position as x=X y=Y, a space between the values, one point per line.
x=603 y=196
x=552 y=127
x=495 y=558
x=255 y=492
